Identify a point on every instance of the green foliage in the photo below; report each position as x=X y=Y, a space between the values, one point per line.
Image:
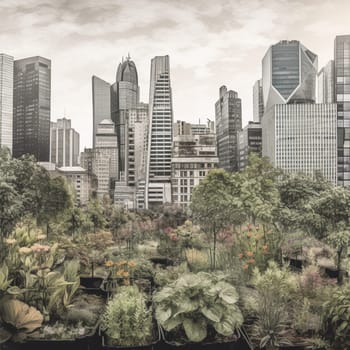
x=196 y=302
x=5 y=282
x=336 y=318
x=17 y=320
x=127 y=321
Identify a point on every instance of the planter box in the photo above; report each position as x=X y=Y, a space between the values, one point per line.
x=93 y=285
x=240 y=344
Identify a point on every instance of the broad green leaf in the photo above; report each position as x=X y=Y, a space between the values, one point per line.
x=196 y=331
x=162 y=314
x=214 y=313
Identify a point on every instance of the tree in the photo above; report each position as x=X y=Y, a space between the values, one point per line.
x=95 y=214
x=211 y=204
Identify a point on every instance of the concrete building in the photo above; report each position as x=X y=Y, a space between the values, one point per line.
x=193 y=157
x=6 y=101
x=106 y=158
x=302 y=138
x=325 y=84
x=289 y=74
x=101 y=103
x=250 y=141
x=258 y=101
x=182 y=128
x=64 y=144
x=80 y=180
x=342 y=99
x=158 y=174
x=228 y=120
x=203 y=129
x=31 y=107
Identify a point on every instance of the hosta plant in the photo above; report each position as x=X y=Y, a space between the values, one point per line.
x=127 y=321
x=17 y=320
x=196 y=302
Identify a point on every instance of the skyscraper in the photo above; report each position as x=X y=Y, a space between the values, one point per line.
x=342 y=98
x=6 y=100
x=228 y=120
x=158 y=186
x=325 y=84
x=258 y=101
x=31 y=107
x=289 y=74
x=101 y=103
x=64 y=142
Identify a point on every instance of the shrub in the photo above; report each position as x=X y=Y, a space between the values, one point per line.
x=195 y=302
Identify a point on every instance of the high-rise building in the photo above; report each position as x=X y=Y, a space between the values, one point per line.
x=106 y=158
x=258 y=101
x=325 y=84
x=203 y=129
x=228 y=120
x=182 y=128
x=289 y=74
x=6 y=100
x=342 y=98
x=302 y=138
x=31 y=107
x=158 y=186
x=193 y=157
x=64 y=150
x=101 y=103
x=250 y=141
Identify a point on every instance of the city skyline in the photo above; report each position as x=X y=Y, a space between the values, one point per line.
x=221 y=43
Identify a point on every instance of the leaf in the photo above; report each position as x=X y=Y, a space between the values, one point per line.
x=4 y=335
x=162 y=314
x=196 y=331
x=229 y=295
x=172 y=323
x=214 y=313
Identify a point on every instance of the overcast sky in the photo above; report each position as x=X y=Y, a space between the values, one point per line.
x=210 y=43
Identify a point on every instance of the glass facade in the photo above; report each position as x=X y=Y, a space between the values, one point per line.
x=258 y=101
x=6 y=101
x=31 y=108
x=302 y=138
x=342 y=98
x=325 y=84
x=228 y=121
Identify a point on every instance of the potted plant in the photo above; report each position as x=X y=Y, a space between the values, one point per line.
x=199 y=309
x=127 y=321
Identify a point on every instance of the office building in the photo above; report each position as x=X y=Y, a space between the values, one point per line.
x=342 y=99
x=228 y=120
x=203 y=129
x=64 y=150
x=302 y=138
x=6 y=101
x=31 y=107
x=289 y=74
x=158 y=174
x=106 y=158
x=250 y=141
x=193 y=157
x=101 y=103
x=182 y=128
x=325 y=84
x=258 y=101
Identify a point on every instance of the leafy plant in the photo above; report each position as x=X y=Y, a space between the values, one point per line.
x=336 y=317
x=17 y=320
x=127 y=321
x=195 y=302
x=5 y=282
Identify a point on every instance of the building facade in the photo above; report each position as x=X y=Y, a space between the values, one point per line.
x=250 y=141
x=64 y=144
x=302 y=138
x=258 y=101
x=158 y=174
x=289 y=74
x=6 y=101
x=101 y=104
x=325 y=84
x=342 y=98
x=228 y=120
x=193 y=157
x=31 y=107
x=106 y=158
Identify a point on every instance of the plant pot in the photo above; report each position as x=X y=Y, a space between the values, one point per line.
x=93 y=285
x=240 y=343
x=162 y=260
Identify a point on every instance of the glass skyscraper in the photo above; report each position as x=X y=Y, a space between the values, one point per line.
x=325 y=84
x=6 y=100
x=101 y=103
x=158 y=175
x=342 y=98
x=289 y=74
x=228 y=121
x=31 y=107
x=258 y=101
